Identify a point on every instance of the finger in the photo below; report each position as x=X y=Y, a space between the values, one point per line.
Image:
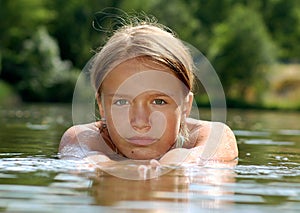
x=156 y=166
x=142 y=170
x=154 y=163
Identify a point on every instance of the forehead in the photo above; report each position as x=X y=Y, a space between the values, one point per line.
x=130 y=67
x=134 y=76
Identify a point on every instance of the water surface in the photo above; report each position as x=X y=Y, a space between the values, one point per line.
x=33 y=179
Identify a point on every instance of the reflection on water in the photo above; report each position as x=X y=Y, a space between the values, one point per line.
x=174 y=190
x=32 y=179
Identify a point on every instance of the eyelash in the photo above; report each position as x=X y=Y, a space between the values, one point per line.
x=122 y=102
x=160 y=100
x=119 y=102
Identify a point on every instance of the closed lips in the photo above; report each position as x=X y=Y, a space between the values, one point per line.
x=144 y=141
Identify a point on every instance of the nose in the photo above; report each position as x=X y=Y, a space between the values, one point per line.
x=139 y=117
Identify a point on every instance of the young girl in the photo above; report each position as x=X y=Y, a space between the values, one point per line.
x=143 y=78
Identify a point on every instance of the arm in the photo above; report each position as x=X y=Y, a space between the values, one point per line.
x=215 y=145
x=69 y=147
x=82 y=142
x=223 y=151
x=214 y=142
x=226 y=147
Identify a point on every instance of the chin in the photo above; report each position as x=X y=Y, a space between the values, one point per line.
x=140 y=155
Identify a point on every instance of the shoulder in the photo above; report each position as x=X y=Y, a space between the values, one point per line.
x=73 y=132
x=202 y=132
x=205 y=128
x=77 y=135
x=199 y=131
x=216 y=138
x=195 y=125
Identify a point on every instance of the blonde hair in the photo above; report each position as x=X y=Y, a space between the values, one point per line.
x=143 y=40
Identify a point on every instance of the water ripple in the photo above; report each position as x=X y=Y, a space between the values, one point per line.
x=267 y=142
x=251 y=133
x=41 y=164
x=266 y=172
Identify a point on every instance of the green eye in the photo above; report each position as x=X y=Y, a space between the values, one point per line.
x=159 y=102
x=121 y=102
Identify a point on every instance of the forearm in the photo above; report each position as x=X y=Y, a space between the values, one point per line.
x=181 y=155
x=98 y=160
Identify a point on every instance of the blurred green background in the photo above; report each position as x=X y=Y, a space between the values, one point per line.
x=254 y=45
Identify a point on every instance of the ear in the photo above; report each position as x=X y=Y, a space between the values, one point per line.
x=100 y=105
x=188 y=104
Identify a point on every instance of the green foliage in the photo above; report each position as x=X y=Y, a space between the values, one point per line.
x=237 y=36
x=239 y=49
x=176 y=15
x=282 y=18
x=43 y=76
x=73 y=28
x=19 y=19
x=7 y=94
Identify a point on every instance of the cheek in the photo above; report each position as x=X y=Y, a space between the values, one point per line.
x=160 y=124
x=172 y=123
x=117 y=121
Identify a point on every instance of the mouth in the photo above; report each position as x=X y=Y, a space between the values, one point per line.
x=142 y=141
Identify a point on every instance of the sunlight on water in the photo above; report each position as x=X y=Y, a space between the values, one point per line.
x=39 y=164
x=33 y=179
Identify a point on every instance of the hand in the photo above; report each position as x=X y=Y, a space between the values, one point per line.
x=128 y=169
x=153 y=168
x=173 y=157
x=96 y=159
x=176 y=156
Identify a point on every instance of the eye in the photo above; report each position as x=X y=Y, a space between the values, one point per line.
x=121 y=102
x=159 y=102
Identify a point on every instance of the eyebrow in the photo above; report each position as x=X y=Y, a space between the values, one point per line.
x=153 y=93
x=116 y=95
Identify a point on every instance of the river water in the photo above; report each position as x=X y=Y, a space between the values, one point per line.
x=33 y=179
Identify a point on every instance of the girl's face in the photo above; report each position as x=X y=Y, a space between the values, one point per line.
x=144 y=104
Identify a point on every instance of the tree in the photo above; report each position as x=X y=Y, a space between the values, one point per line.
x=282 y=18
x=239 y=48
x=73 y=28
x=176 y=15
x=43 y=75
x=18 y=20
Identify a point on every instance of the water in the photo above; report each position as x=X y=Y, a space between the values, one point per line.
x=33 y=179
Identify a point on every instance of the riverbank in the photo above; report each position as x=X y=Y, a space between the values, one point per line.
x=281 y=91
x=7 y=94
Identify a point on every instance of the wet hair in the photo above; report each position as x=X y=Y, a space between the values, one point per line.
x=143 y=40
